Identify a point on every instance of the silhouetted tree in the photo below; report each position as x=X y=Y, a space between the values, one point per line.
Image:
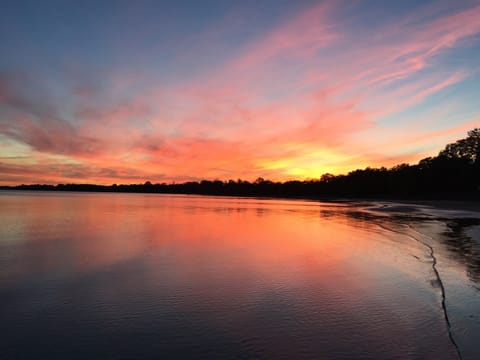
x=468 y=148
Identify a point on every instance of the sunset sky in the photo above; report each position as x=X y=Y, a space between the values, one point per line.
x=128 y=91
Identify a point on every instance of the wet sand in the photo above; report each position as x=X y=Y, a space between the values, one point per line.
x=450 y=232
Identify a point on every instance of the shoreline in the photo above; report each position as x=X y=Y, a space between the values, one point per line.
x=395 y=204
x=447 y=203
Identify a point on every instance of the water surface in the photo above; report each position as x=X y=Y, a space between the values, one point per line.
x=133 y=276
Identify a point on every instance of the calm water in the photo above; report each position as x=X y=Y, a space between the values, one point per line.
x=131 y=276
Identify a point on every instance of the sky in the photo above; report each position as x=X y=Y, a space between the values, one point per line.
x=172 y=91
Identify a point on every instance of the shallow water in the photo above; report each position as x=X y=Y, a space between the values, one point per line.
x=133 y=276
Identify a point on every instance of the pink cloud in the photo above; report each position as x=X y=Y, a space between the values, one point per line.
x=301 y=37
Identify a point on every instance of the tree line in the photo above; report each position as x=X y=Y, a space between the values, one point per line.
x=453 y=173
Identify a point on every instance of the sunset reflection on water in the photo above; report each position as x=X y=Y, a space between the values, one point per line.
x=131 y=275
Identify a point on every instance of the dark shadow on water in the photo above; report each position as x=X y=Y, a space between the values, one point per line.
x=466 y=249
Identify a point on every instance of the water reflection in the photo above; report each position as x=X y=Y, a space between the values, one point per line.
x=146 y=276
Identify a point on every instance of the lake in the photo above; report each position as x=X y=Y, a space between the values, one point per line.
x=146 y=276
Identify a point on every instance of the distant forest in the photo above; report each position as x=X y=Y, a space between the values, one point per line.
x=454 y=173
